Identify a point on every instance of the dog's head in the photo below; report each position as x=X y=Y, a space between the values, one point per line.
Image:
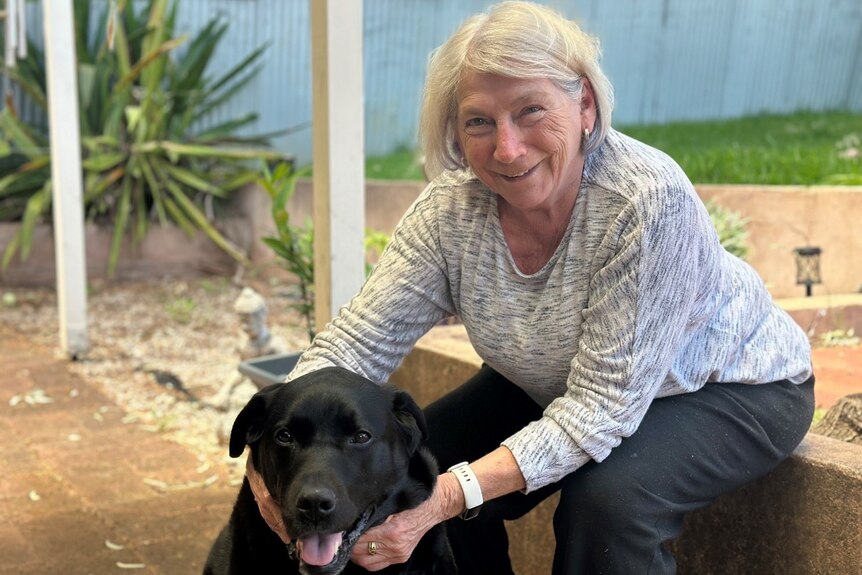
x=336 y=451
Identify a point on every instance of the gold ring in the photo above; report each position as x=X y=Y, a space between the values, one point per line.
x=372 y=548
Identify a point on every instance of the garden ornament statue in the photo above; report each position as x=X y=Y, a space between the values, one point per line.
x=259 y=341
x=251 y=308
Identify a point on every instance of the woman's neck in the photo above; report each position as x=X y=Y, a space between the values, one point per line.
x=534 y=235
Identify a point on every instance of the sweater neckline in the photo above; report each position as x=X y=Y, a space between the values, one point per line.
x=563 y=243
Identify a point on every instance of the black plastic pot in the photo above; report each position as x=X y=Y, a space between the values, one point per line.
x=269 y=369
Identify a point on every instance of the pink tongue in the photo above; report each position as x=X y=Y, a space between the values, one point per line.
x=319 y=549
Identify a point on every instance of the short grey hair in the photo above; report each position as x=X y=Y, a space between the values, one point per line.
x=517 y=40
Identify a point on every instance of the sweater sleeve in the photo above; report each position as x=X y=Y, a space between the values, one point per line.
x=638 y=311
x=406 y=294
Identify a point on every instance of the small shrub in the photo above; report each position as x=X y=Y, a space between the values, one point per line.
x=294 y=244
x=731 y=229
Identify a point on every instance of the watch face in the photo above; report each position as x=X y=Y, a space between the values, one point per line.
x=471 y=513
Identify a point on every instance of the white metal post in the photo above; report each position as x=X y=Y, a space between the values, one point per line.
x=61 y=67
x=339 y=153
x=10 y=17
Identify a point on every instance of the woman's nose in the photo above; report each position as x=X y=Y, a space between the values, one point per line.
x=507 y=143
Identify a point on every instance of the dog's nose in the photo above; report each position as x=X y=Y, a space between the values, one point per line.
x=316 y=501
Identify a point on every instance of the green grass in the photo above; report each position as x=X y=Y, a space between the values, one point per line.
x=402 y=164
x=801 y=148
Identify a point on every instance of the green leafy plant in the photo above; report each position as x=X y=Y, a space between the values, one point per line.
x=294 y=244
x=144 y=158
x=181 y=310
x=375 y=243
x=731 y=229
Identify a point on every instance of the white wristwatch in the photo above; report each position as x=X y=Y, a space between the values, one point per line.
x=470 y=486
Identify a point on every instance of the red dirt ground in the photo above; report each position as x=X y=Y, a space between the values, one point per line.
x=838 y=372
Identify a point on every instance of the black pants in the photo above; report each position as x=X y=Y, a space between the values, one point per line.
x=614 y=516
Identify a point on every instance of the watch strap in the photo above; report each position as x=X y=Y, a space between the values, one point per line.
x=470 y=486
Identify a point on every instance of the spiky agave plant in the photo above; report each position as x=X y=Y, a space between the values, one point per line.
x=141 y=100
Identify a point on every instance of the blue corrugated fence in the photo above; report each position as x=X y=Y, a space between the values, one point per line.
x=668 y=59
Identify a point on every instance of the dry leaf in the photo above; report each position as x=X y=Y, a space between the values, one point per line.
x=156 y=483
x=37 y=397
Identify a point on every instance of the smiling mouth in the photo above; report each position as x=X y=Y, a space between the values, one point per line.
x=516 y=177
x=328 y=552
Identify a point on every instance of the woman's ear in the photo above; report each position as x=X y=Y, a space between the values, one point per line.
x=588 y=105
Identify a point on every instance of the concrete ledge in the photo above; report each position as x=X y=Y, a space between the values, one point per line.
x=817 y=315
x=165 y=251
x=440 y=362
x=805 y=517
x=780 y=219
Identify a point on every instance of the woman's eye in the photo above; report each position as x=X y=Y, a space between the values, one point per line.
x=361 y=437
x=477 y=126
x=532 y=109
x=284 y=437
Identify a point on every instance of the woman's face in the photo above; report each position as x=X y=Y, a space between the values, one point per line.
x=522 y=137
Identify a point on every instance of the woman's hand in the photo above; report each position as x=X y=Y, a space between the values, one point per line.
x=269 y=508
x=399 y=535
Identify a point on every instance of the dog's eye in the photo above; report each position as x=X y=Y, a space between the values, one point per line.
x=284 y=437
x=361 y=437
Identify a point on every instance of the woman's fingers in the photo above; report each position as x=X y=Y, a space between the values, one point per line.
x=269 y=509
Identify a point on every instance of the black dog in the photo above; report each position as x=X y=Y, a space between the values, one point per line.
x=339 y=454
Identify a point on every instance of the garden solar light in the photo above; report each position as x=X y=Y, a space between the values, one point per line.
x=807 y=267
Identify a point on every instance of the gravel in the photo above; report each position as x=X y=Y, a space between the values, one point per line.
x=149 y=341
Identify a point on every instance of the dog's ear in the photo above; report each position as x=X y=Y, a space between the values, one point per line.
x=248 y=425
x=410 y=419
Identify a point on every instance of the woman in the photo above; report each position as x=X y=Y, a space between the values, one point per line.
x=630 y=362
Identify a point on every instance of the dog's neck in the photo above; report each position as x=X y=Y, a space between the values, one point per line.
x=416 y=486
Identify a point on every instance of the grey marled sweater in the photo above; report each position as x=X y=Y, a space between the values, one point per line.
x=638 y=301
